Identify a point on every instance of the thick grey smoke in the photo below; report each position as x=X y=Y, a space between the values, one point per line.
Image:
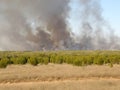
x=49 y=15
x=43 y=24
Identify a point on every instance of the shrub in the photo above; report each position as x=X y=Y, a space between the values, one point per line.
x=69 y=59
x=52 y=58
x=33 y=61
x=79 y=58
x=46 y=60
x=13 y=60
x=111 y=64
x=58 y=59
x=3 y=63
x=40 y=60
x=89 y=60
x=21 y=60
x=77 y=62
x=100 y=61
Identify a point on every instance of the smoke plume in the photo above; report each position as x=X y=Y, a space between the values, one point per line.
x=95 y=32
x=44 y=25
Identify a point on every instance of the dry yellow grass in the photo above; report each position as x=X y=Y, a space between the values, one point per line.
x=60 y=77
x=65 y=85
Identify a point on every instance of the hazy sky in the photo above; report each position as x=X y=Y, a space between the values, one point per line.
x=110 y=12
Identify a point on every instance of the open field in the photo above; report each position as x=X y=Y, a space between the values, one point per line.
x=60 y=70
x=60 y=77
x=65 y=85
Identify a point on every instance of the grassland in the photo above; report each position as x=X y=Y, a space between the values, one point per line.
x=60 y=77
x=60 y=70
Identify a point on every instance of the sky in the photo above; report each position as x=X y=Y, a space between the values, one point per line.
x=110 y=12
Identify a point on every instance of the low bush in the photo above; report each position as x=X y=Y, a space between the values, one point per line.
x=4 y=62
x=19 y=60
x=33 y=61
x=78 y=58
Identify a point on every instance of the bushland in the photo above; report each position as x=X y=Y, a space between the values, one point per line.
x=77 y=58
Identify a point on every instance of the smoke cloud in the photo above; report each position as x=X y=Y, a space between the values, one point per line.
x=44 y=25
x=95 y=32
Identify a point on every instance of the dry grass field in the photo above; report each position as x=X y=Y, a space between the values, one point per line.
x=60 y=77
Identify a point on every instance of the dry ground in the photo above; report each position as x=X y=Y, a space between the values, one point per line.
x=60 y=77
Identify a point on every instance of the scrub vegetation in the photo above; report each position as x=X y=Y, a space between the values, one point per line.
x=77 y=58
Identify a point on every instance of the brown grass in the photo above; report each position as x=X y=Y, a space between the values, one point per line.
x=60 y=77
x=65 y=85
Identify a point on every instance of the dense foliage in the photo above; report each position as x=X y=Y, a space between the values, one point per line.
x=78 y=58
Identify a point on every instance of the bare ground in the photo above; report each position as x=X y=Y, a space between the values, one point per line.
x=60 y=77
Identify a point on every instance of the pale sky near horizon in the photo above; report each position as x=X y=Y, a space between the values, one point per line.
x=110 y=12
